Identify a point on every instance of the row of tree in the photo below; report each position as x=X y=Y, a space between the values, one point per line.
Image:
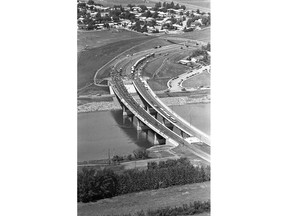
x=167 y=5
x=92 y=185
x=197 y=207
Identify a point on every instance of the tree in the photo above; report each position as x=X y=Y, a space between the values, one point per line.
x=143 y=7
x=157 y=5
x=177 y=6
x=137 y=26
x=98 y=16
x=90 y=2
x=155 y=15
x=189 y=22
x=183 y=7
x=147 y=14
x=144 y=28
x=140 y=154
x=206 y=20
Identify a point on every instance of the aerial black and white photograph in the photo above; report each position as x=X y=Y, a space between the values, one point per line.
x=143 y=103
x=143 y=108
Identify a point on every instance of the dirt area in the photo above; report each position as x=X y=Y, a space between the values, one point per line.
x=91 y=106
x=153 y=199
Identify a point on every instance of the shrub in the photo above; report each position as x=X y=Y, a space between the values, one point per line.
x=140 y=154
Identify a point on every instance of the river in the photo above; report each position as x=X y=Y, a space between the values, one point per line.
x=100 y=132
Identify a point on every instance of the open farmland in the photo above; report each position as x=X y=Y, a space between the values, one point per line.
x=99 y=38
x=202 y=79
x=91 y=60
x=153 y=199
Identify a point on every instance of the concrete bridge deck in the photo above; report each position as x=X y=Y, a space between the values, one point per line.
x=150 y=98
x=145 y=121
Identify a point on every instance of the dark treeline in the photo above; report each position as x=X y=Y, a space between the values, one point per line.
x=196 y=207
x=93 y=185
x=166 y=5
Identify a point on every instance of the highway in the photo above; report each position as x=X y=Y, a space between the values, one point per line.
x=166 y=112
x=121 y=91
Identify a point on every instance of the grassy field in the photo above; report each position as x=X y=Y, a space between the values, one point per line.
x=153 y=199
x=162 y=68
x=95 y=90
x=202 y=79
x=158 y=84
x=147 y=45
x=202 y=35
x=100 y=38
x=91 y=60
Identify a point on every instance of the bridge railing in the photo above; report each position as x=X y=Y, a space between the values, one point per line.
x=196 y=132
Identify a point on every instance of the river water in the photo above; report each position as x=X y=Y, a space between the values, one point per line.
x=100 y=132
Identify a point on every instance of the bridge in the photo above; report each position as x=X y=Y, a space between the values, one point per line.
x=154 y=118
x=157 y=131
x=162 y=112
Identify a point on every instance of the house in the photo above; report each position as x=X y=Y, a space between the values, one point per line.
x=82 y=26
x=184 y=62
x=178 y=27
x=199 y=21
x=138 y=9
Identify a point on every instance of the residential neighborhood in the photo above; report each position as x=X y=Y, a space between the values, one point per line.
x=162 y=18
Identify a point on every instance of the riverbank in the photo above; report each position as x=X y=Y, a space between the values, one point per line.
x=112 y=105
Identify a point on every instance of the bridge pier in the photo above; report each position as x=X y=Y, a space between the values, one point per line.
x=155 y=138
x=139 y=124
x=184 y=135
x=126 y=111
x=159 y=117
x=168 y=124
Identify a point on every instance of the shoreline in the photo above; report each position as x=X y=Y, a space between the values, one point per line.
x=112 y=105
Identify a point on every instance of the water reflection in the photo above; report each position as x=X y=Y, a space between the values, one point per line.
x=99 y=132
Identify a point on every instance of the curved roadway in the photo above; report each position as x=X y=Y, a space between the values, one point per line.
x=121 y=91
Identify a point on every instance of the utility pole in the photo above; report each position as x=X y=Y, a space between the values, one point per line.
x=109 y=156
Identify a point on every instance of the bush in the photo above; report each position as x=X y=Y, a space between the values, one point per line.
x=140 y=154
x=129 y=157
x=117 y=158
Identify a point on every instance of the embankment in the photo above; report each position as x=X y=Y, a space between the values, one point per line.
x=112 y=105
